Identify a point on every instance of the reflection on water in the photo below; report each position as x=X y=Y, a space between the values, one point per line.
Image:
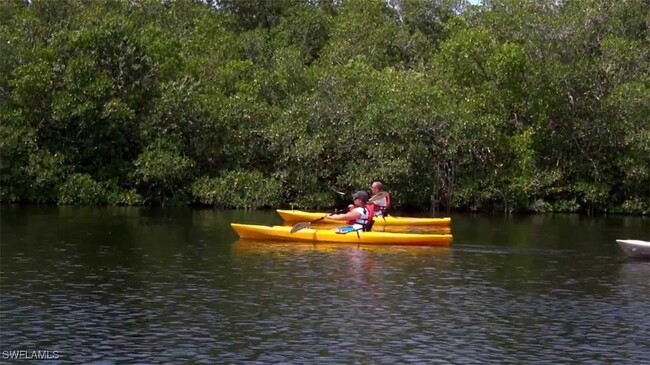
x=636 y=273
x=261 y=247
x=176 y=285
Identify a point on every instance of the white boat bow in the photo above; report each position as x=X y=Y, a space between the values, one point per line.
x=635 y=248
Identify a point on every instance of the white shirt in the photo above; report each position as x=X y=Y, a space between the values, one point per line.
x=363 y=219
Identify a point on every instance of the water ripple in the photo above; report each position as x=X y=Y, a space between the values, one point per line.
x=330 y=304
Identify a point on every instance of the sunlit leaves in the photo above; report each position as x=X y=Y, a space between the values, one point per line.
x=366 y=30
x=160 y=170
x=46 y=171
x=307 y=28
x=510 y=105
x=81 y=189
x=238 y=189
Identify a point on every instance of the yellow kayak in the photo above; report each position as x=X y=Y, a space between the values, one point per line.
x=300 y=215
x=381 y=228
x=283 y=233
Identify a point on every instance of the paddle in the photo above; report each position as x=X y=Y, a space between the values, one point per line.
x=302 y=225
x=379 y=196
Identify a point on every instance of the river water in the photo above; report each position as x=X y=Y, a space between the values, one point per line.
x=145 y=285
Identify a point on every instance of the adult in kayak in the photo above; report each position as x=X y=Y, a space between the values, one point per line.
x=360 y=217
x=383 y=204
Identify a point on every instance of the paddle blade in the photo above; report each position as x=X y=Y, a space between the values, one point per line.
x=338 y=192
x=299 y=226
x=378 y=196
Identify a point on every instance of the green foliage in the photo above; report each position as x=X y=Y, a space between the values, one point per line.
x=81 y=189
x=124 y=197
x=634 y=206
x=356 y=35
x=16 y=145
x=238 y=189
x=507 y=106
x=317 y=200
x=307 y=29
x=45 y=171
x=161 y=174
x=565 y=206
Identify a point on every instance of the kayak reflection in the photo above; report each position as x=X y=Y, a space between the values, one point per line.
x=275 y=248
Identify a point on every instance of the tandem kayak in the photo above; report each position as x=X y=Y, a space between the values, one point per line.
x=300 y=215
x=283 y=233
x=635 y=248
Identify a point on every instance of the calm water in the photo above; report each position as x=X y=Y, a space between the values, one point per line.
x=137 y=285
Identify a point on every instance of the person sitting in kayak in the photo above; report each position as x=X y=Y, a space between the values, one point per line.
x=360 y=217
x=382 y=205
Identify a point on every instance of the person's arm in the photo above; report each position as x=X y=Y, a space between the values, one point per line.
x=351 y=215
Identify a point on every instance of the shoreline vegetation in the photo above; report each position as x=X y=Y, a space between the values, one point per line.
x=510 y=106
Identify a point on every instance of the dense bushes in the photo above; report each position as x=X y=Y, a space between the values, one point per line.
x=510 y=106
x=238 y=189
x=81 y=189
